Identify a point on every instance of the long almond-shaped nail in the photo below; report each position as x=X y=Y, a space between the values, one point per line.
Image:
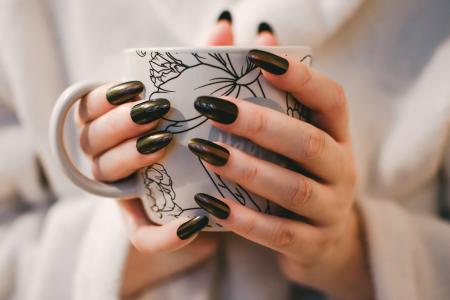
x=124 y=92
x=209 y=151
x=149 y=111
x=154 y=141
x=217 y=109
x=264 y=27
x=267 y=61
x=212 y=205
x=225 y=15
x=192 y=226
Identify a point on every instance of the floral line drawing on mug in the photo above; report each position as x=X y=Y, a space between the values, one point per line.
x=165 y=67
x=158 y=181
x=240 y=195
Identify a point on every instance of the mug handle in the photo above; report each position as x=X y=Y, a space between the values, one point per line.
x=125 y=188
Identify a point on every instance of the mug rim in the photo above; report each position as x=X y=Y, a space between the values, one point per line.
x=228 y=49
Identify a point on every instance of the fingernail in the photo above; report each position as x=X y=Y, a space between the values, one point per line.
x=192 y=226
x=149 y=111
x=209 y=151
x=267 y=61
x=264 y=27
x=212 y=205
x=153 y=142
x=217 y=109
x=225 y=15
x=124 y=92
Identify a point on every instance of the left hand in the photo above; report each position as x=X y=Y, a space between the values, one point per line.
x=325 y=249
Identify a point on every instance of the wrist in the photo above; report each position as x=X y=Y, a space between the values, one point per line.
x=353 y=264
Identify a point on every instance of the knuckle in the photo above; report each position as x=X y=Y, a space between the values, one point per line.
x=110 y=125
x=306 y=75
x=314 y=143
x=250 y=225
x=282 y=236
x=324 y=243
x=353 y=176
x=143 y=160
x=290 y=269
x=339 y=102
x=258 y=123
x=300 y=192
x=85 y=144
x=96 y=170
x=82 y=115
x=250 y=173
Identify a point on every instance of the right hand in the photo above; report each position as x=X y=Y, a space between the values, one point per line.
x=109 y=137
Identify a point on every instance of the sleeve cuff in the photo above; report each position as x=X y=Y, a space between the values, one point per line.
x=390 y=243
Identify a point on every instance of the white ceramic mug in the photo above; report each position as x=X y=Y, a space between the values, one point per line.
x=167 y=188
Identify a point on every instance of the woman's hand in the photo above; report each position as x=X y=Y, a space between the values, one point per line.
x=118 y=134
x=323 y=248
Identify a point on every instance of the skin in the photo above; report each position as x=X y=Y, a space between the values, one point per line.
x=325 y=252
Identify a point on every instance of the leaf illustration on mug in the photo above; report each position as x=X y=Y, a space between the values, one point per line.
x=163 y=68
x=235 y=191
x=234 y=79
x=307 y=59
x=141 y=53
x=295 y=109
x=159 y=188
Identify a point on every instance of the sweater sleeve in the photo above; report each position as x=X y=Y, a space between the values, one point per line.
x=409 y=254
x=20 y=175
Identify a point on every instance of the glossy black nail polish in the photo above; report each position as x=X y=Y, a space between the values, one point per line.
x=270 y=62
x=217 y=109
x=149 y=111
x=264 y=27
x=212 y=205
x=209 y=151
x=124 y=92
x=225 y=15
x=152 y=142
x=192 y=226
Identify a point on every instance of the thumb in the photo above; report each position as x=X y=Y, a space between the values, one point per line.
x=222 y=33
x=266 y=36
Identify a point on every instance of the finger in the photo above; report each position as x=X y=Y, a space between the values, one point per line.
x=121 y=123
x=148 y=237
x=164 y=238
x=266 y=36
x=134 y=212
x=291 y=190
x=133 y=154
x=321 y=94
x=222 y=33
x=153 y=239
x=309 y=146
x=106 y=98
x=283 y=235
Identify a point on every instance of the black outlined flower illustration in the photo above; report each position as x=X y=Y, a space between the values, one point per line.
x=163 y=68
x=159 y=188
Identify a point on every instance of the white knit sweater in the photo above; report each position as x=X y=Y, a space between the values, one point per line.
x=391 y=56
